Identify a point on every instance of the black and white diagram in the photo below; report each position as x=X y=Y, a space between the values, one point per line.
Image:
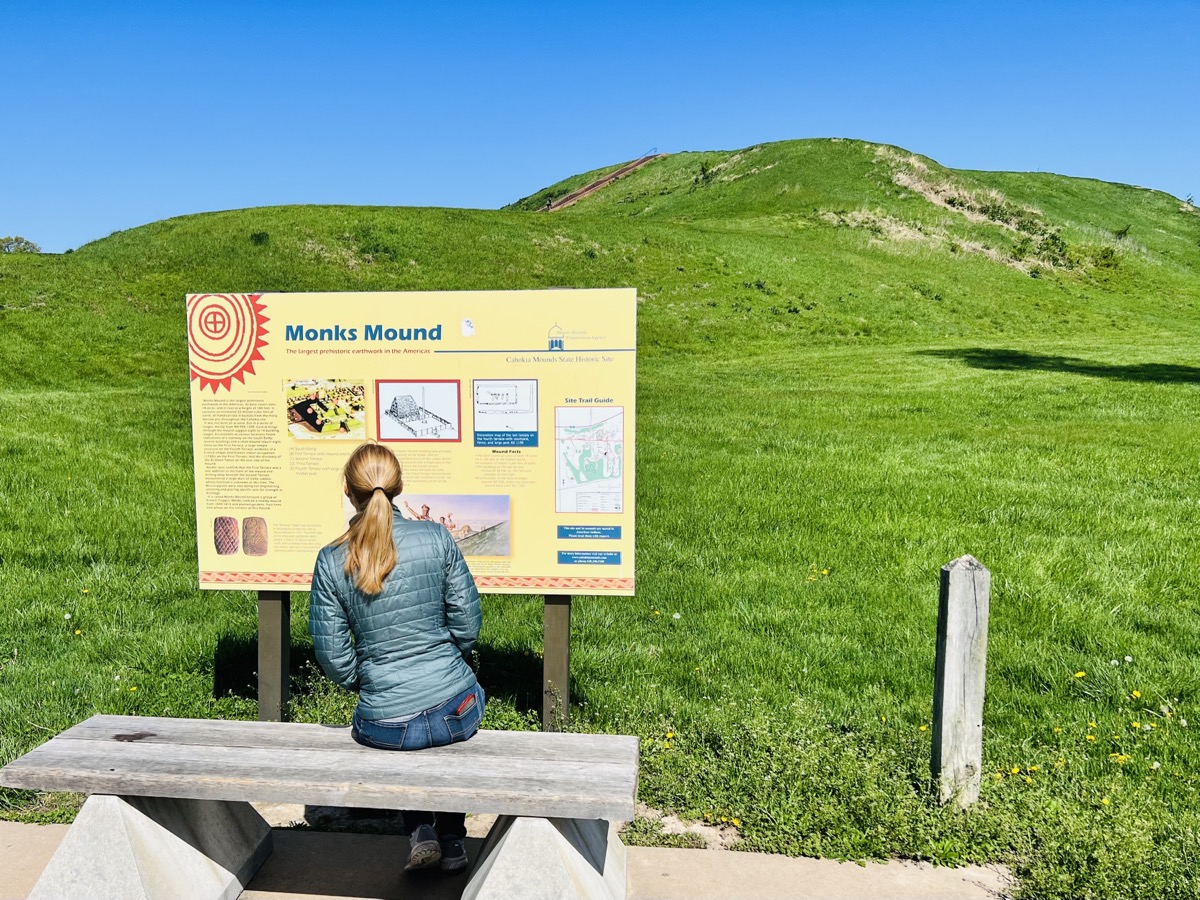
x=418 y=410
x=505 y=412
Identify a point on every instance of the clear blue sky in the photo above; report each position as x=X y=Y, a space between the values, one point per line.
x=119 y=113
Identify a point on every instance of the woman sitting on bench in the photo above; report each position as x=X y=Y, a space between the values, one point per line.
x=402 y=589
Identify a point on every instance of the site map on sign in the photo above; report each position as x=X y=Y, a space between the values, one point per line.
x=589 y=459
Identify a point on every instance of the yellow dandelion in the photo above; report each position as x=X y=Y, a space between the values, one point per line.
x=1135 y=724
x=997 y=776
x=77 y=631
x=883 y=718
x=1104 y=800
x=1058 y=731
x=1015 y=770
x=737 y=822
x=1028 y=780
x=824 y=571
x=1080 y=673
x=1136 y=695
x=670 y=734
x=1092 y=725
x=1033 y=768
x=1091 y=737
x=924 y=728
x=132 y=689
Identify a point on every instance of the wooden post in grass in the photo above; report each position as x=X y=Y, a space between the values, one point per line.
x=556 y=662
x=957 y=763
x=274 y=654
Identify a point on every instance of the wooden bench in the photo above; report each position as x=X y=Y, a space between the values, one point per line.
x=170 y=815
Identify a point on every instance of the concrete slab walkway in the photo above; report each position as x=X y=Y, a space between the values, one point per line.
x=312 y=865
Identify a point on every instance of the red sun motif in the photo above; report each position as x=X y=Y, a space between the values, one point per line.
x=225 y=333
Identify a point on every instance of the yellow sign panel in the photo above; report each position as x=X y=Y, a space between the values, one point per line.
x=511 y=412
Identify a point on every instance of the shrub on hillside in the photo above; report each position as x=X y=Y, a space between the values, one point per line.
x=1105 y=258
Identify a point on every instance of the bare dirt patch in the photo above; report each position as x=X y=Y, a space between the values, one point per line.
x=888 y=230
x=715 y=837
x=346 y=257
x=881 y=224
x=554 y=242
x=913 y=173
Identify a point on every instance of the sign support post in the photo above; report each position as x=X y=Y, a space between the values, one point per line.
x=274 y=654
x=556 y=662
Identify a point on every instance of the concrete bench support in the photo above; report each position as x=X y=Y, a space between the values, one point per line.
x=549 y=859
x=156 y=848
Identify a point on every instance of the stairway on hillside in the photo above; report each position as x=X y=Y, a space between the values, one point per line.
x=588 y=189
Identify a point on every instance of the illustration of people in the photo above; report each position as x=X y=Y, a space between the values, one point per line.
x=423 y=515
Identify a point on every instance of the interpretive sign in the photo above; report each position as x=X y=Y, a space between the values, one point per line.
x=511 y=412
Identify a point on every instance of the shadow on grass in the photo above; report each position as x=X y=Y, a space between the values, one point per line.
x=503 y=672
x=235 y=666
x=1018 y=360
x=510 y=673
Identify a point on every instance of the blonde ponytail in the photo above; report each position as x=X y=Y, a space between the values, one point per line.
x=373 y=479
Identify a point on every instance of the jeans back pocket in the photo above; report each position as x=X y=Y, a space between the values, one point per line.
x=464 y=721
x=381 y=736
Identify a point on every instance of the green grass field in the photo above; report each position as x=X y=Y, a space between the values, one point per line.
x=854 y=366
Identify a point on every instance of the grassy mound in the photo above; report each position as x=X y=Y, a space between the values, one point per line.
x=855 y=365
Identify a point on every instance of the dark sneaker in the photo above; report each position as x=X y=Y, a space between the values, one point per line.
x=454 y=854
x=423 y=849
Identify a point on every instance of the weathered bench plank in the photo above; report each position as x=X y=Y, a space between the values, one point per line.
x=507 y=773
x=289 y=735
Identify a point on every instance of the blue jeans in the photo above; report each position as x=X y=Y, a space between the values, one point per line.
x=457 y=719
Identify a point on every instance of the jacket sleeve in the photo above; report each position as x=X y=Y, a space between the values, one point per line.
x=330 y=627
x=464 y=615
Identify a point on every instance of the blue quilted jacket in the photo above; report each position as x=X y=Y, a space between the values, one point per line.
x=409 y=641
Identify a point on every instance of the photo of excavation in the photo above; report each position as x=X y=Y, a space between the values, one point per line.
x=418 y=410
x=326 y=408
x=479 y=523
